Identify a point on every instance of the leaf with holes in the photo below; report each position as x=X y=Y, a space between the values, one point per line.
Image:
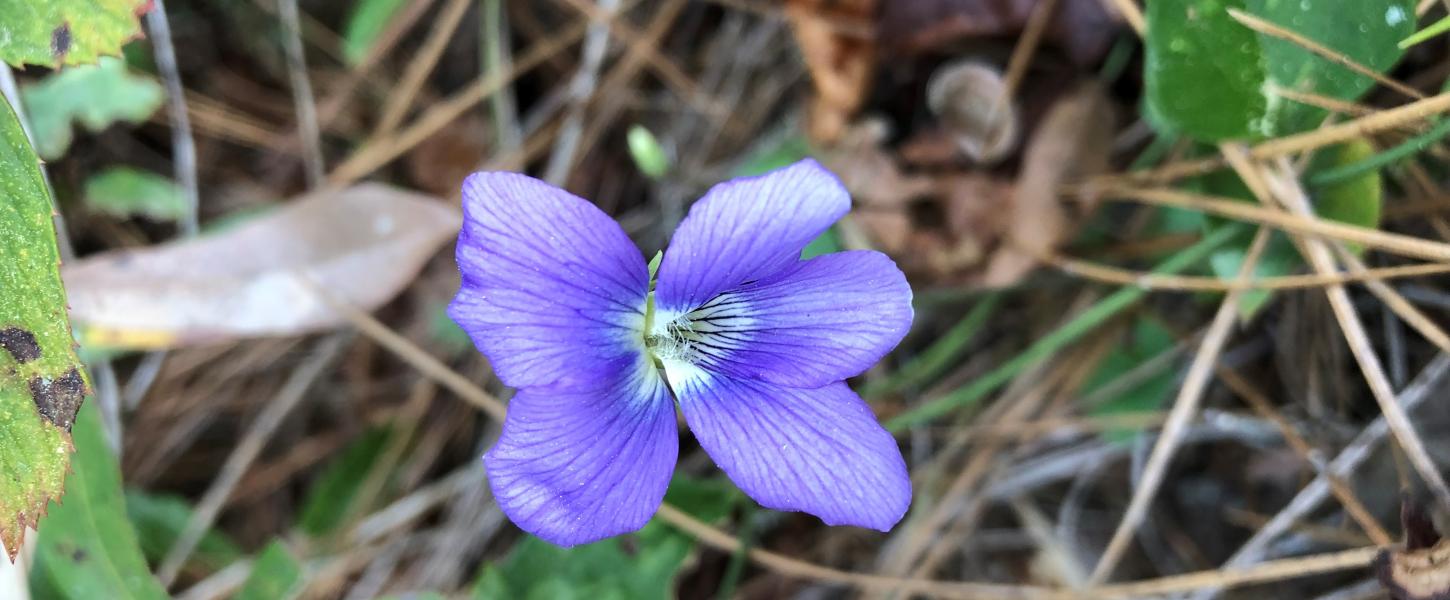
x=41 y=382
x=67 y=32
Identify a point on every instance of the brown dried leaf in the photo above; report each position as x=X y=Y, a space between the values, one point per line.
x=837 y=42
x=870 y=173
x=1080 y=27
x=363 y=245
x=1070 y=143
x=446 y=157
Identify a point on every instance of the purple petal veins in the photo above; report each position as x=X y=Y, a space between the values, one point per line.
x=578 y=466
x=553 y=290
x=754 y=343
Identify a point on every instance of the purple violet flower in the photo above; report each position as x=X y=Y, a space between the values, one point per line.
x=753 y=342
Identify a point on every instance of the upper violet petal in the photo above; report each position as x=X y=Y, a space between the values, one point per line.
x=819 y=451
x=746 y=229
x=815 y=322
x=553 y=290
x=573 y=467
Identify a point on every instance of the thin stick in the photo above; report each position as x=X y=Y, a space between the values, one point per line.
x=1204 y=283
x=1357 y=558
x=301 y=92
x=1341 y=490
x=380 y=151
x=183 y=146
x=498 y=57
x=581 y=88
x=1370 y=124
x=337 y=97
x=1290 y=222
x=1185 y=406
x=440 y=32
x=246 y=451
x=1131 y=13
x=1425 y=384
x=1270 y=29
x=1288 y=192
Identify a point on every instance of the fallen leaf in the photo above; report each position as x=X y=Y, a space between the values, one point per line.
x=838 y=43
x=445 y=158
x=362 y=244
x=1068 y=144
x=870 y=172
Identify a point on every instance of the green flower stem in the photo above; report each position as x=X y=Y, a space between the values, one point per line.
x=1070 y=332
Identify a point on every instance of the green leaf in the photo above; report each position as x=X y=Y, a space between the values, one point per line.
x=651 y=159
x=87 y=548
x=1279 y=256
x=126 y=192
x=1366 y=32
x=1202 y=71
x=71 y=32
x=159 y=520
x=828 y=242
x=95 y=95
x=365 y=23
x=782 y=153
x=608 y=569
x=41 y=380
x=1212 y=78
x=1147 y=339
x=1357 y=200
x=330 y=499
x=275 y=575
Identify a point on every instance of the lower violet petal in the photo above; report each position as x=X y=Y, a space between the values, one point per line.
x=818 y=451
x=573 y=467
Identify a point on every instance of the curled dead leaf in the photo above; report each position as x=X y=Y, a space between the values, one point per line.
x=363 y=244
x=972 y=102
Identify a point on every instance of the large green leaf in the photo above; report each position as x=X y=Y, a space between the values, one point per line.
x=1212 y=78
x=71 y=32
x=41 y=381
x=87 y=548
x=95 y=95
